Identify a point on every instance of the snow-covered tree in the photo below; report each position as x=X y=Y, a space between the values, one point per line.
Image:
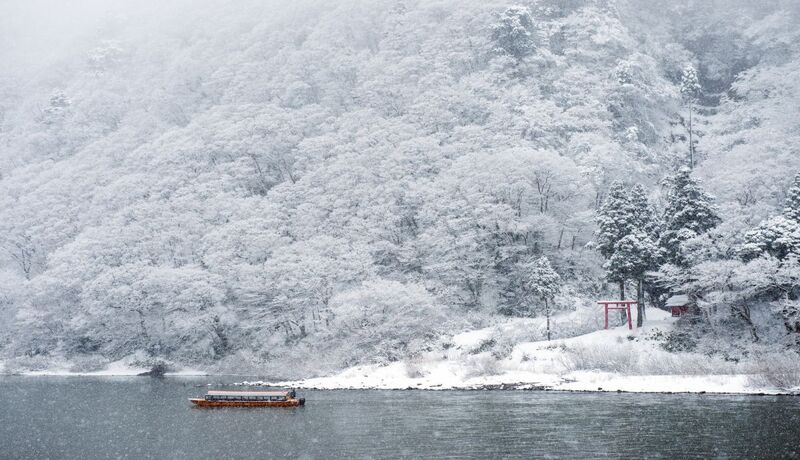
x=624 y=73
x=612 y=219
x=642 y=212
x=791 y=208
x=689 y=212
x=514 y=32
x=690 y=91
x=634 y=255
x=690 y=84
x=385 y=321
x=542 y=284
x=778 y=236
x=624 y=212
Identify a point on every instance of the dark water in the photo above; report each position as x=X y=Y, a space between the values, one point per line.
x=77 y=417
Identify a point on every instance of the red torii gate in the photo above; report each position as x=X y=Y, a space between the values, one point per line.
x=618 y=305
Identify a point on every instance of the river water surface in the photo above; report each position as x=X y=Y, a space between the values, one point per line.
x=138 y=417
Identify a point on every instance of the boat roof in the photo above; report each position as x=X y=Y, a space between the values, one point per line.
x=247 y=393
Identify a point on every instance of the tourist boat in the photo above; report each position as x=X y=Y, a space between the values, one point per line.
x=283 y=398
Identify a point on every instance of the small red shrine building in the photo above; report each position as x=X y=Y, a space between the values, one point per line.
x=678 y=304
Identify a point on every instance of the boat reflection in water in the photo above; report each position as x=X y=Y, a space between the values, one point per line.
x=221 y=398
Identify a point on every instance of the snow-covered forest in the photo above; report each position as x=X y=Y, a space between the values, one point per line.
x=294 y=188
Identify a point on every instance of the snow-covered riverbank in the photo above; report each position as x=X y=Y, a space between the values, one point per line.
x=606 y=360
x=617 y=359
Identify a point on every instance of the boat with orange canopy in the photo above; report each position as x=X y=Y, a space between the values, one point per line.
x=224 y=398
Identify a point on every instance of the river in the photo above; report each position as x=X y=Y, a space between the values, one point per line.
x=139 y=417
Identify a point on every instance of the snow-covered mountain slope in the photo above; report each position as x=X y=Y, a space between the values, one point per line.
x=296 y=188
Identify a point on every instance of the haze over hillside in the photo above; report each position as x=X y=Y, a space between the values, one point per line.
x=298 y=189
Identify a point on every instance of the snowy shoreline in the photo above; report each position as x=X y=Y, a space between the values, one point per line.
x=590 y=383
x=610 y=383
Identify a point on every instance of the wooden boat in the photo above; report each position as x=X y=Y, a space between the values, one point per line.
x=216 y=398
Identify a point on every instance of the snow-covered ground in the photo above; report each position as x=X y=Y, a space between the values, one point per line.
x=617 y=359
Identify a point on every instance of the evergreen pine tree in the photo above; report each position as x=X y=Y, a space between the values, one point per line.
x=642 y=212
x=689 y=212
x=613 y=224
x=645 y=235
x=612 y=219
x=792 y=207
x=635 y=255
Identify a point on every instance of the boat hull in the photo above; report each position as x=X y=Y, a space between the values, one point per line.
x=206 y=403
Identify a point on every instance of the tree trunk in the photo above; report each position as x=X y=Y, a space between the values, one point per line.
x=640 y=303
x=691 y=144
x=744 y=313
x=547 y=313
x=622 y=315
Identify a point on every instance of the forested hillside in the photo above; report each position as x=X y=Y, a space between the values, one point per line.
x=296 y=187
